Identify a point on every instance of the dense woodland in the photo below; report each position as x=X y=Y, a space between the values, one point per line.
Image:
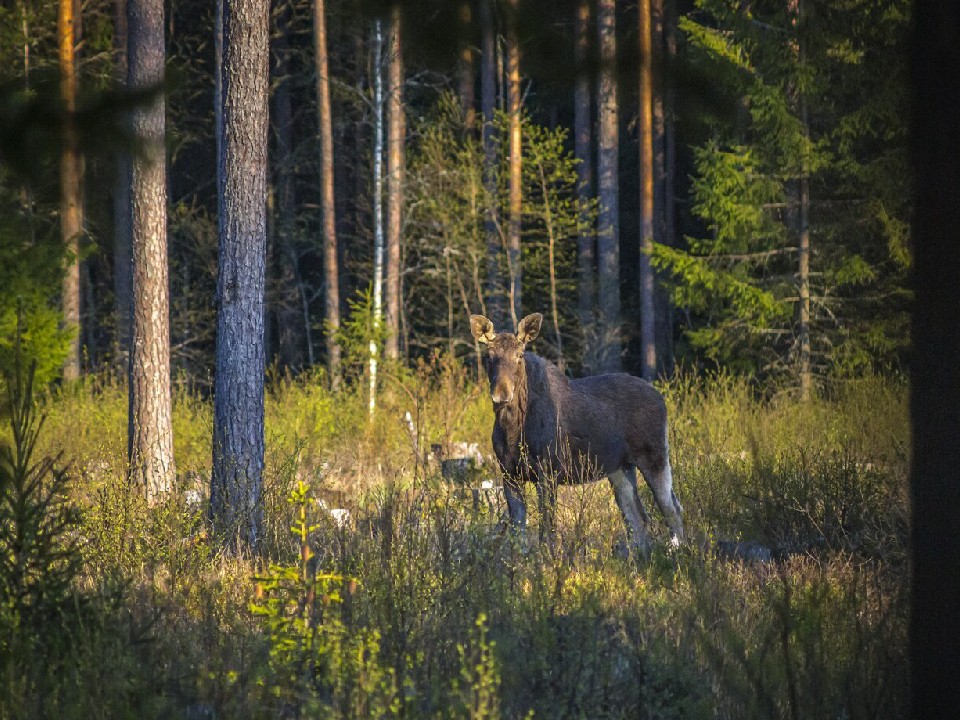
x=777 y=186
x=240 y=244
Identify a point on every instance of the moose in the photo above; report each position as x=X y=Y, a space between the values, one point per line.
x=549 y=429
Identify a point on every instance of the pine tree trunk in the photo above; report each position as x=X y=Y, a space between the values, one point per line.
x=71 y=204
x=608 y=223
x=331 y=270
x=465 y=69
x=292 y=325
x=583 y=149
x=396 y=134
x=648 y=347
x=150 y=424
x=122 y=251
x=514 y=260
x=488 y=103
x=242 y=124
x=664 y=49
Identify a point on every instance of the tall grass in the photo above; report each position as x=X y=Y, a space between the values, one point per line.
x=425 y=606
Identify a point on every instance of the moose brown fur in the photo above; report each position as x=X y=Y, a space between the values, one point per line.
x=550 y=429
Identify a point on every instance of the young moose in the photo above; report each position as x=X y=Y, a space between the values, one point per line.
x=550 y=429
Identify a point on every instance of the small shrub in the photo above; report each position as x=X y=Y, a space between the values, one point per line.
x=39 y=557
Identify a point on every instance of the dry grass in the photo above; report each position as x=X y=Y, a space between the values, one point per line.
x=166 y=629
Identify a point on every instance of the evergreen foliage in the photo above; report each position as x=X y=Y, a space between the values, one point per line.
x=39 y=548
x=817 y=95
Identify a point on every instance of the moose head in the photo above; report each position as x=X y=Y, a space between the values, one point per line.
x=503 y=359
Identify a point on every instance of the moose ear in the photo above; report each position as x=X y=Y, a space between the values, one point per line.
x=482 y=329
x=529 y=328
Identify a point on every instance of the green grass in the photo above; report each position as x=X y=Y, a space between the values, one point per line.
x=424 y=608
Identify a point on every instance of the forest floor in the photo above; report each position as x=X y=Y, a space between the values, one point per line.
x=421 y=605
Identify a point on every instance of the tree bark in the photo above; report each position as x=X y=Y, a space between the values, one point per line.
x=396 y=134
x=583 y=149
x=150 y=423
x=242 y=124
x=488 y=102
x=122 y=250
x=71 y=170
x=327 y=199
x=648 y=346
x=935 y=373
x=514 y=259
x=608 y=223
x=664 y=153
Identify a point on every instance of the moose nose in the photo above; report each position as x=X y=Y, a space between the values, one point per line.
x=501 y=395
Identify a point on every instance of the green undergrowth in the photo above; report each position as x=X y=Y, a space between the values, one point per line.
x=424 y=606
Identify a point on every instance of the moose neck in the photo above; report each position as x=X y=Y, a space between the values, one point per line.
x=511 y=415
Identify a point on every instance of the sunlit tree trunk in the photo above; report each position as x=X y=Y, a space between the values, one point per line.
x=331 y=272
x=150 y=423
x=514 y=262
x=71 y=169
x=934 y=370
x=396 y=134
x=648 y=346
x=242 y=125
x=664 y=47
x=488 y=103
x=608 y=224
x=583 y=149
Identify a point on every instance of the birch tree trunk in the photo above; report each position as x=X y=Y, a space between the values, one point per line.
x=377 y=211
x=242 y=124
x=648 y=347
x=608 y=223
x=150 y=422
x=583 y=149
x=514 y=260
x=331 y=271
x=71 y=204
x=396 y=134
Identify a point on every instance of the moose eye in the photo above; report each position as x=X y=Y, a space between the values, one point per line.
x=520 y=356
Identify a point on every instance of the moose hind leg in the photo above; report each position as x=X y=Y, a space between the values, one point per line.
x=624 y=484
x=661 y=484
x=547 y=495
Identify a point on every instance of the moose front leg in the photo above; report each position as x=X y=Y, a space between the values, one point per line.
x=516 y=506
